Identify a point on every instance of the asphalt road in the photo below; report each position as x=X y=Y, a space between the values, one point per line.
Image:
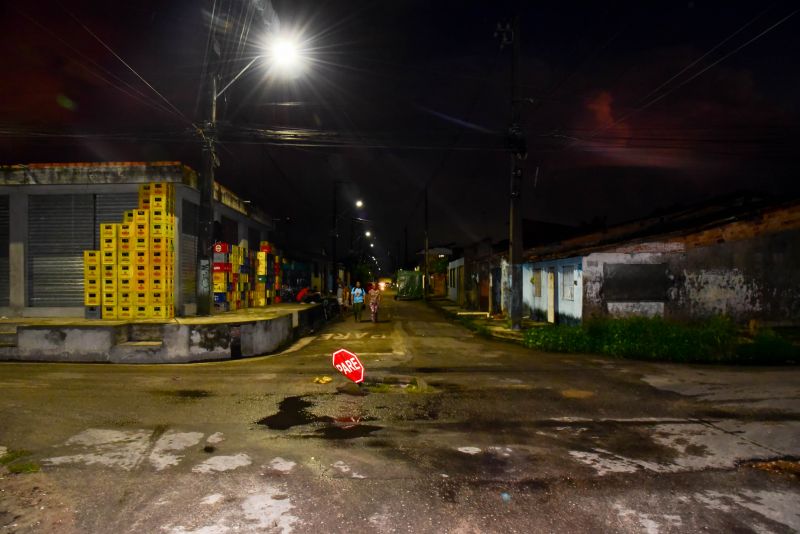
x=452 y=433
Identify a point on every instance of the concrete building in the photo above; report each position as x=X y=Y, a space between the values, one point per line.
x=733 y=256
x=50 y=213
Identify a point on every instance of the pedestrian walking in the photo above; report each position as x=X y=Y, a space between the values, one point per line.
x=341 y=298
x=374 y=301
x=358 y=301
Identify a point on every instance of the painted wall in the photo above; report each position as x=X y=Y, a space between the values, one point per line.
x=453 y=282
x=568 y=308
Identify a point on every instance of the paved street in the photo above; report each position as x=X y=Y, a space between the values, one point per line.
x=454 y=433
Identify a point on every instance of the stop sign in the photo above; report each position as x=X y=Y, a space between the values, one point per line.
x=349 y=365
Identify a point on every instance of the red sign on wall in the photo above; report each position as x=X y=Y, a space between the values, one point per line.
x=349 y=365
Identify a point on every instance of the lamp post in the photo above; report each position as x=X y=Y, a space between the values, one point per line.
x=284 y=55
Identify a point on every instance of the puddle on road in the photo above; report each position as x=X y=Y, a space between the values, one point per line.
x=293 y=411
x=347 y=432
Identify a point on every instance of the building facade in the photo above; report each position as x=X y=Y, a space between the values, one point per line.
x=50 y=214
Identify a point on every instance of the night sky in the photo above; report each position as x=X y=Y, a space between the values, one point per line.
x=620 y=116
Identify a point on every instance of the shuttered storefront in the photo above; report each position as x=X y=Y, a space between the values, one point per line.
x=4 y=285
x=60 y=228
x=190 y=222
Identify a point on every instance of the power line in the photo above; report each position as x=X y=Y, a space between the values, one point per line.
x=675 y=88
x=99 y=40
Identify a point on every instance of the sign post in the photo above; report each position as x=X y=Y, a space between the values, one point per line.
x=349 y=365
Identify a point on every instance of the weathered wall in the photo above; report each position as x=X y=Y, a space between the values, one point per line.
x=752 y=278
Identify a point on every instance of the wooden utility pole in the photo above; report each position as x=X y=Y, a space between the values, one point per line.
x=510 y=35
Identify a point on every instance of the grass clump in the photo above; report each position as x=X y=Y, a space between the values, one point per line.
x=716 y=340
x=11 y=461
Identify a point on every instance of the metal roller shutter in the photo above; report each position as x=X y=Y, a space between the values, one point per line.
x=4 y=286
x=60 y=228
x=188 y=252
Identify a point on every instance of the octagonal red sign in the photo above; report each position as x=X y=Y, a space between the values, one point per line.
x=349 y=365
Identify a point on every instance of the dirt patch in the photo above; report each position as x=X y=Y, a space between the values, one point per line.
x=30 y=503
x=184 y=394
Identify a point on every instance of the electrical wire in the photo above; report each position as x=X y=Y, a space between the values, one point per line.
x=139 y=76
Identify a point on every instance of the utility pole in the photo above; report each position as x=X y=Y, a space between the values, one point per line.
x=427 y=279
x=335 y=231
x=205 y=236
x=510 y=35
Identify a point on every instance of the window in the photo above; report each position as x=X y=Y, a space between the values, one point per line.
x=536 y=280
x=568 y=282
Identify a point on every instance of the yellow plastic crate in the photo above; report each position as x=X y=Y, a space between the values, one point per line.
x=127 y=217
x=141 y=312
x=157 y=284
x=91 y=298
x=125 y=244
x=109 y=312
x=126 y=230
x=141 y=285
x=109 y=298
x=108 y=243
x=141 y=229
x=141 y=257
x=125 y=298
x=141 y=298
x=156 y=258
x=91 y=257
x=91 y=271
x=91 y=283
x=109 y=257
x=157 y=297
x=125 y=285
x=158 y=311
x=161 y=229
x=159 y=215
x=124 y=311
x=124 y=257
x=159 y=244
x=125 y=271
x=108 y=270
x=108 y=230
x=141 y=216
x=220 y=287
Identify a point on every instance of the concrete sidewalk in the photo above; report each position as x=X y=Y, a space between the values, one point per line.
x=495 y=327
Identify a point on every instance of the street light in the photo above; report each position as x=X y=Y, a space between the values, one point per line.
x=359 y=204
x=367 y=233
x=287 y=59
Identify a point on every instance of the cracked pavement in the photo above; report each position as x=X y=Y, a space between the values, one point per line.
x=456 y=434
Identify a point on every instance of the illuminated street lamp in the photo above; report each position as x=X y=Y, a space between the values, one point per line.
x=367 y=233
x=286 y=59
x=359 y=204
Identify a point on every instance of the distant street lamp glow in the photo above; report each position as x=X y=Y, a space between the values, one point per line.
x=359 y=204
x=372 y=245
x=367 y=233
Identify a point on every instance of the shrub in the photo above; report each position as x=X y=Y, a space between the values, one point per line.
x=767 y=348
x=640 y=337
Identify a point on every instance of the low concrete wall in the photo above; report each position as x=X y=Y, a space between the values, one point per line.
x=162 y=343
x=67 y=344
x=263 y=337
